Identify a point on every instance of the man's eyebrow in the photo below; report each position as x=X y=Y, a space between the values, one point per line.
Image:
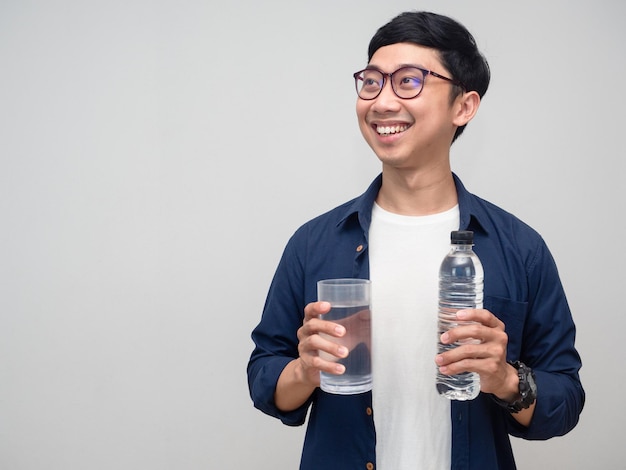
x=399 y=66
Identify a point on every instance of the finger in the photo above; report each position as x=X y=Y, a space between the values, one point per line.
x=323 y=354
x=467 y=333
x=326 y=347
x=332 y=367
x=312 y=365
x=484 y=355
x=489 y=368
x=315 y=326
x=459 y=353
x=460 y=367
x=315 y=309
x=472 y=342
x=482 y=316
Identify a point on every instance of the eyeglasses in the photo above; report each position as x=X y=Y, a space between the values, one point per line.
x=406 y=82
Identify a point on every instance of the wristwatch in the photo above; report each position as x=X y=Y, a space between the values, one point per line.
x=527 y=389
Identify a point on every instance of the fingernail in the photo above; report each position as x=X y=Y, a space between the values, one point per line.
x=343 y=351
x=445 y=338
x=340 y=330
x=461 y=314
x=438 y=359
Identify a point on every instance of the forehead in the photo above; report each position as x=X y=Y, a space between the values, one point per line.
x=390 y=58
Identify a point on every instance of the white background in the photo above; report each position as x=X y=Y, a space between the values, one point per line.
x=156 y=156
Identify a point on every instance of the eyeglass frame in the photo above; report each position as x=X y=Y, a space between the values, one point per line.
x=425 y=72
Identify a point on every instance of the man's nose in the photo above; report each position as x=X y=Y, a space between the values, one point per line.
x=387 y=99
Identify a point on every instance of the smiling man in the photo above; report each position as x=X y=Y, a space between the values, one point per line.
x=422 y=85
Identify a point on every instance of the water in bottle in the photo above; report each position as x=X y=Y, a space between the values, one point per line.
x=460 y=287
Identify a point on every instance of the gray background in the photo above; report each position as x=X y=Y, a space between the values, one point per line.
x=156 y=156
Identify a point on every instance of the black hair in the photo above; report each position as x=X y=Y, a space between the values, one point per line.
x=455 y=44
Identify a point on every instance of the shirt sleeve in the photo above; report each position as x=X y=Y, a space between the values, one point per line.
x=548 y=348
x=275 y=337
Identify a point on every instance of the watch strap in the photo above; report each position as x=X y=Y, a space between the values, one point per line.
x=527 y=389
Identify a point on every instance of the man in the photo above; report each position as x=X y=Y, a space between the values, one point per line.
x=423 y=83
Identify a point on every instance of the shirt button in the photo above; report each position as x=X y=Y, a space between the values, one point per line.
x=368 y=410
x=369 y=466
x=359 y=248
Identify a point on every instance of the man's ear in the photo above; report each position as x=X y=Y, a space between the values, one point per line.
x=466 y=107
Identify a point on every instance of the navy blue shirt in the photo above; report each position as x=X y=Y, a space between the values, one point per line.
x=522 y=288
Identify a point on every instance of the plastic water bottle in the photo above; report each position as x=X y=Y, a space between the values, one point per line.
x=460 y=287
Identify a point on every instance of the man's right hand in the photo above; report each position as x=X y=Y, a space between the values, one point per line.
x=302 y=375
x=312 y=341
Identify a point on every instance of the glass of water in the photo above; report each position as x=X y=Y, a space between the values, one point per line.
x=350 y=307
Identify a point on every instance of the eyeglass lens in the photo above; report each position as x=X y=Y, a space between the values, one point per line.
x=406 y=82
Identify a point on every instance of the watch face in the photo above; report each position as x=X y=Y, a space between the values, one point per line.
x=527 y=384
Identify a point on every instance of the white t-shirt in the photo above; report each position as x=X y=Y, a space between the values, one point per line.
x=413 y=426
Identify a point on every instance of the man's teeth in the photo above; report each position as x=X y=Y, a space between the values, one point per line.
x=386 y=130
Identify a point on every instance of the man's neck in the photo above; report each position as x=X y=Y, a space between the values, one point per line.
x=417 y=192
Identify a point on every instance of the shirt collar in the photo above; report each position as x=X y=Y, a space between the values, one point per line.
x=472 y=216
x=362 y=205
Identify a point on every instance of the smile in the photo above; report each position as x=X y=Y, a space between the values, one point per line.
x=389 y=130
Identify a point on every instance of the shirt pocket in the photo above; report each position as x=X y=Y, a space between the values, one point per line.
x=513 y=315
